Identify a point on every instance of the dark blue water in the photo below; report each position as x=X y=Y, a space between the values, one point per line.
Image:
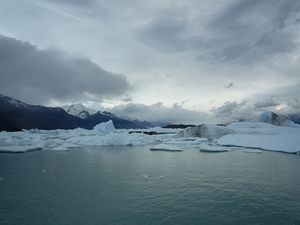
x=106 y=185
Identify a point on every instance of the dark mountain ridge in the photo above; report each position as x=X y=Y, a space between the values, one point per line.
x=16 y=115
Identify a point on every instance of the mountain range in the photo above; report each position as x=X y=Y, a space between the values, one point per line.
x=16 y=115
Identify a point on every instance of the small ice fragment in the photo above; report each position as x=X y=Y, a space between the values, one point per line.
x=207 y=148
x=145 y=177
x=166 y=147
x=162 y=177
x=44 y=171
x=61 y=148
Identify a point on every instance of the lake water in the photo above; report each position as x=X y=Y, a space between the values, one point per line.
x=106 y=185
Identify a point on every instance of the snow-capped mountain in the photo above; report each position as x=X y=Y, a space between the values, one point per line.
x=16 y=115
x=83 y=112
x=79 y=110
x=12 y=101
x=93 y=115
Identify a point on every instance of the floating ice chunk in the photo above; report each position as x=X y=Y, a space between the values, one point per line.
x=280 y=142
x=206 y=148
x=252 y=151
x=49 y=142
x=60 y=148
x=205 y=131
x=105 y=128
x=70 y=145
x=145 y=177
x=44 y=171
x=165 y=147
x=18 y=149
x=186 y=142
x=162 y=177
x=275 y=119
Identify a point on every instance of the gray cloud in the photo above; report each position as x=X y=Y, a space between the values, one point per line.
x=80 y=3
x=159 y=113
x=225 y=110
x=127 y=98
x=266 y=104
x=251 y=29
x=231 y=111
x=294 y=103
x=177 y=104
x=164 y=34
x=229 y=85
x=284 y=11
x=36 y=76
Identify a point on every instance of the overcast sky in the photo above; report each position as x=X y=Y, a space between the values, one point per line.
x=184 y=61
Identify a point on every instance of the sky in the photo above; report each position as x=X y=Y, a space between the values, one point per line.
x=180 y=61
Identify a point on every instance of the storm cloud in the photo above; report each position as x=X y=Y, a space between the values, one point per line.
x=36 y=76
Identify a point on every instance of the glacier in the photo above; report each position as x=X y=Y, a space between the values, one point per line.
x=248 y=136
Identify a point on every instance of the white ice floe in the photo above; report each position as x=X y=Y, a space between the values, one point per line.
x=205 y=131
x=207 y=148
x=279 y=142
x=105 y=128
x=165 y=147
x=70 y=145
x=60 y=148
x=256 y=135
x=250 y=135
x=62 y=140
x=185 y=143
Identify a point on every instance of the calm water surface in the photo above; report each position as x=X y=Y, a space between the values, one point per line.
x=106 y=185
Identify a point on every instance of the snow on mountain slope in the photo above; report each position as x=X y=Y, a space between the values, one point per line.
x=79 y=110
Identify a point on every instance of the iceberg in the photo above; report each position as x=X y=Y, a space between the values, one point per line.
x=206 y=148
x=205 y=131
x=106 y=127
x=279 y=142
x=275 y=119
x=258 y=135
x=237 y=135
x=103 y=134
x=60 y=148
x=166 y=147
